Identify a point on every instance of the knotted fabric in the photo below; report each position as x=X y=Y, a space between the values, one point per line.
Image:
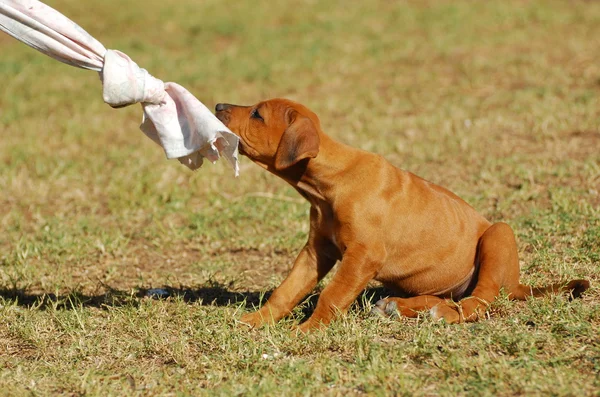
x=173 y=117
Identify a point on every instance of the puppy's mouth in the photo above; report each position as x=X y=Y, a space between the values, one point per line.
x=242 y=147
x=223 y=116
x=222 y=113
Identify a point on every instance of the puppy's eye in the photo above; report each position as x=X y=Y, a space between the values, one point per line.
x=256 y=115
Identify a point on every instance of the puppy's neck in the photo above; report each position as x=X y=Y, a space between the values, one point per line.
x=315 y=178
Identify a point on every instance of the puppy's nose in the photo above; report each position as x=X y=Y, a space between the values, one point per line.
x=222 y=106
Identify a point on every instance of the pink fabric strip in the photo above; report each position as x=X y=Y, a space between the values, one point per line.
x=173 y=117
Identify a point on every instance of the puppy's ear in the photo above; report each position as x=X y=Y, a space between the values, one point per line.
x=299 y=141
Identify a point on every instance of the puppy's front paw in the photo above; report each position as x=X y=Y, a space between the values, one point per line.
x=252 y=320
x=310 y=325
x=304 y=328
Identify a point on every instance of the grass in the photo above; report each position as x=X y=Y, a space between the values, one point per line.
x=498 y=101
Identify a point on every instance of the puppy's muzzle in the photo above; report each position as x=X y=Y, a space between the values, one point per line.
x=222 y=106
x=222 y=112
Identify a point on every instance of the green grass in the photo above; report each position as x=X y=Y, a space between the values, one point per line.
x=498 y=101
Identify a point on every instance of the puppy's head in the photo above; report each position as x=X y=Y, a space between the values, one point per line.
x=276 y=134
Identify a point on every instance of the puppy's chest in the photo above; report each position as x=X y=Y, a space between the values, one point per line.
x=325 y=222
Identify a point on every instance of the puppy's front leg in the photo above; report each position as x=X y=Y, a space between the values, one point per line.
x=359 y=265
x=311 y=265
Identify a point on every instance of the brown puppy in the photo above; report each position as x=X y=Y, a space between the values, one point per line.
x=383 y=223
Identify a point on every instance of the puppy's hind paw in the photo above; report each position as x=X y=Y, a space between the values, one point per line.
x=442 y=311
x=384 y=308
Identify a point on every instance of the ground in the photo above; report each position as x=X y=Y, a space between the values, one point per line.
x=497 y=101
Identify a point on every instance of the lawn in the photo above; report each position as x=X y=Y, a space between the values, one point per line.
x=497 y=101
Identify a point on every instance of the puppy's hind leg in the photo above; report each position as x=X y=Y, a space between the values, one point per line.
x=499 y=268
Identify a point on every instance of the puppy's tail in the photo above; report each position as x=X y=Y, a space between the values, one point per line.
x=575 y=288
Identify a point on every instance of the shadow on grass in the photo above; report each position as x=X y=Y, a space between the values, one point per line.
x=219 y=295
x=68 y=301
x=214 y=294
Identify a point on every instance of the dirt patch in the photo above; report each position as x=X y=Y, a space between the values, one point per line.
x=15 y=347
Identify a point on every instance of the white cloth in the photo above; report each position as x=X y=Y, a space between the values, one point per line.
x=173 y=117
